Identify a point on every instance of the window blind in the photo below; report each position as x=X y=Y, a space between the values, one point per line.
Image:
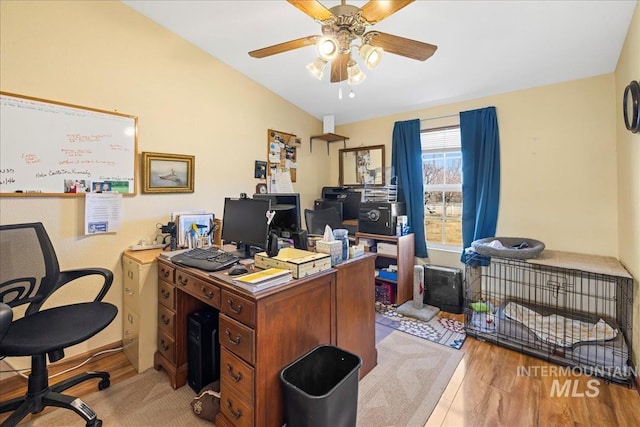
x=440 y=139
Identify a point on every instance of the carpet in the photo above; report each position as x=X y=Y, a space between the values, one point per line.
x=448 y=332
x=406 y=385
x=402 y=390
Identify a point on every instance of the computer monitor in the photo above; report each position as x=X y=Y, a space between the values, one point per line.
x=286 y=223
x=287 y=208
x=244 y=223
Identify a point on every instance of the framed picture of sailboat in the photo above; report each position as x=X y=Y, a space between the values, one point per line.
x=167 y=173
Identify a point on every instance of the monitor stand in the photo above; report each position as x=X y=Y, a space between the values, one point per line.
x=244 y=251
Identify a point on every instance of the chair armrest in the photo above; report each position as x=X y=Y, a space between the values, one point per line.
x=6 y=316
x=71 y=275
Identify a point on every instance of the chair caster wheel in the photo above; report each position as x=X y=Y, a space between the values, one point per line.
x=96 y=423
x=104 y=384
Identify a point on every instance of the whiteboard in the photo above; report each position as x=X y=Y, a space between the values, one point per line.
x=53 y=148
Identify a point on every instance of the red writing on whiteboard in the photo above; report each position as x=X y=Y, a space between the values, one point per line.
x=30 y=158
x=86 y=162
x=115 y=147
x=76 y=137
x=75 y=153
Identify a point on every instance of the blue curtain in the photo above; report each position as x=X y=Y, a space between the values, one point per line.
x=480 y=175
x=406 y=159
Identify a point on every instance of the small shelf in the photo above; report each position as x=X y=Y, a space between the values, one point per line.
x=329 y=138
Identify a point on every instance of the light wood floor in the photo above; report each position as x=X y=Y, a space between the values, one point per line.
x=485 y=390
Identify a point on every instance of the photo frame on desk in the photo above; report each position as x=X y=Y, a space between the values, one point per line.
x=167 y=173
x=185 y=222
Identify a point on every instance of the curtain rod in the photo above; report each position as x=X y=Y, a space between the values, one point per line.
x=440 y=117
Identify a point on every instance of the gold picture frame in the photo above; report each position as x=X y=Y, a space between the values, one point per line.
x=167 y=173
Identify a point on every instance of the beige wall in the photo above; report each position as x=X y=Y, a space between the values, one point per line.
x=105 y=55
x=558 y=162
x=628 y=145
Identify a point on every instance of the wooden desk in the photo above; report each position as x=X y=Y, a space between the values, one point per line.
x=262 y=333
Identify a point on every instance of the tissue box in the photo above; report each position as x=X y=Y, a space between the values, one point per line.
x=332 y=248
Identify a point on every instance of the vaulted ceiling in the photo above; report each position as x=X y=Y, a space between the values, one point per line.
x=484 y=48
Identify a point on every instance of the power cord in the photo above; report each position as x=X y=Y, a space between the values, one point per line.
x=21 y=371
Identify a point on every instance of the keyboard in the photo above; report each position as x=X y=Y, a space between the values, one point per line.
x=205 y=259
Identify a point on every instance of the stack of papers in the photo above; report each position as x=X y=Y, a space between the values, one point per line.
x=263 y=279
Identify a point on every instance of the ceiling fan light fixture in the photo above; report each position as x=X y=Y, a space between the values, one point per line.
x=354 y=73
x=316 y=68
x=372 y=55
x=327 y=48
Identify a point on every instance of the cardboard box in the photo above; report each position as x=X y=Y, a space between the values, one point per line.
x=387 y=249
x=300 y=263
x=356 y=251
x=332 y=248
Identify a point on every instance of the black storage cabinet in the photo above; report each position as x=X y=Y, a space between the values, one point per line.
x=321 y=388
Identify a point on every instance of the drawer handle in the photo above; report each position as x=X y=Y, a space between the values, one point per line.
x=128 y=291
x=165 y=273
x=236 y=414
x=164 y=345
x=235 y=341
x=207 y=294
x=182 y=282
x=235 y=310
x=130 y=274
x=235 y=378
x=165 y=319
x=165 y=294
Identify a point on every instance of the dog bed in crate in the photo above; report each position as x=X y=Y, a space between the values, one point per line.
x=508 y=247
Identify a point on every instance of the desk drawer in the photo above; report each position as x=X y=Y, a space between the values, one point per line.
x=239 y=308
x=199 y=288
x=166 y=320
x=166 y=272
x=167 y=346
x=236 y=375
x=235 y=409
x=238 y=338
x=166 y=294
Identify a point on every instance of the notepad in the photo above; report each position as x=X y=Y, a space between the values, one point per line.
x=263 y=279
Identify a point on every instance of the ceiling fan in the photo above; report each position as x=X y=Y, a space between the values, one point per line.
x=344 y=24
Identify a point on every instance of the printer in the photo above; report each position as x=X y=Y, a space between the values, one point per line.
x=346 y=200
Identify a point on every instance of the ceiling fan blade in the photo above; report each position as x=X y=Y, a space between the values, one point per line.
x=312 y=8
x=401 y=46
x=377 y=10
x=339 y=68
x=284 y=47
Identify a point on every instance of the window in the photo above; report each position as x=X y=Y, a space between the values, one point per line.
x=442 y=176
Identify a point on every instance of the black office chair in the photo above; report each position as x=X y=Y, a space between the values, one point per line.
x=30 y=274
x=317 y=219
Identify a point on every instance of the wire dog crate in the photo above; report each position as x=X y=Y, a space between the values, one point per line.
x=571 y=309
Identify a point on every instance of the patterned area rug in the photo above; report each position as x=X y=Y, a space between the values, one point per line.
x=440 y=330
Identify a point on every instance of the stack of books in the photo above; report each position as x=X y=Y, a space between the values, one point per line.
x=263 y=279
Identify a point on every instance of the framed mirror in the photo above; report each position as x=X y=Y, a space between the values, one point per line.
x=362 y=166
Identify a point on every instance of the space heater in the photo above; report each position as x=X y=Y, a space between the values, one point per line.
x=443 y=288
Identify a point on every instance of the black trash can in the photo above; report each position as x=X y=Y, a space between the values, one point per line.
x=321 y=388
